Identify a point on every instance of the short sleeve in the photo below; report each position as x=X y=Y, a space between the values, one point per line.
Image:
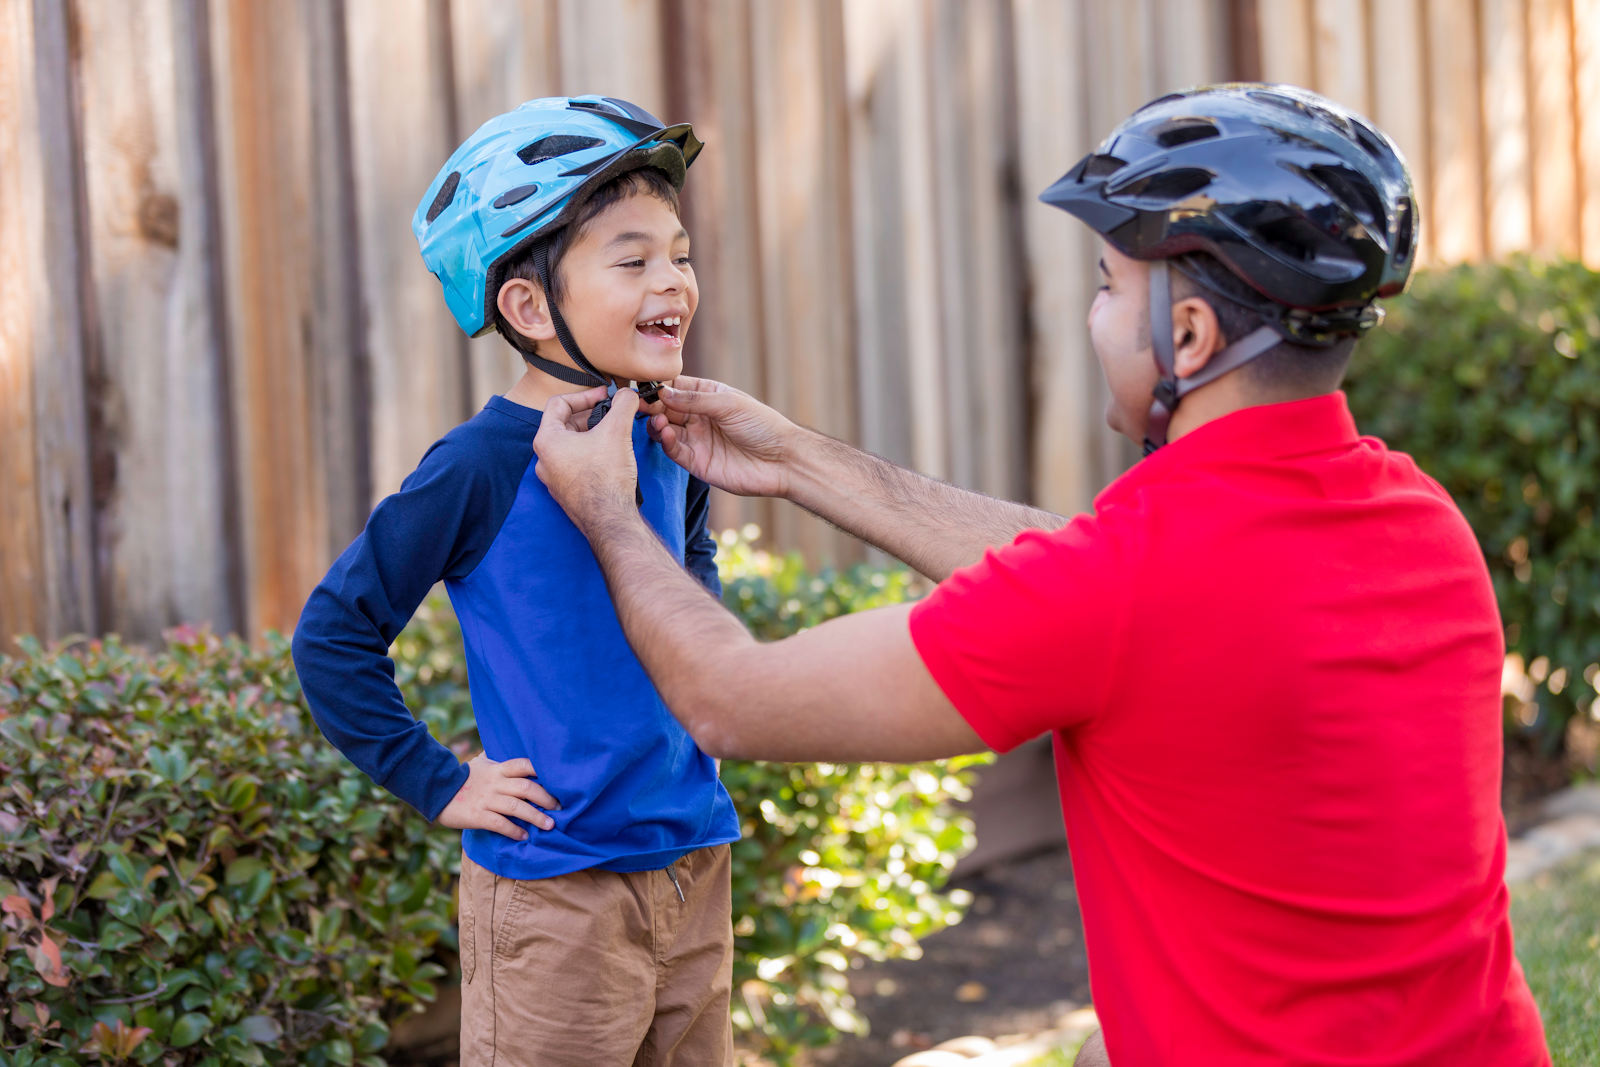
x=1026 y=639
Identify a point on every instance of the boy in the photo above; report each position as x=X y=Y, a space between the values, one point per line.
x=604 y=936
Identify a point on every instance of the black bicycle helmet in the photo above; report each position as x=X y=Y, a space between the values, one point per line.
x=1306 y=202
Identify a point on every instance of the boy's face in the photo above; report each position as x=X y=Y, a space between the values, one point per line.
x=1119 y=329
x=627 y=273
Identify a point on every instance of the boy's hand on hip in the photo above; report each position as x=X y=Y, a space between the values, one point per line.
x=590 y=473
x=494 y=794
x=723 y=437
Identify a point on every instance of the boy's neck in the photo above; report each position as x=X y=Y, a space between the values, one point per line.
x=535 y=388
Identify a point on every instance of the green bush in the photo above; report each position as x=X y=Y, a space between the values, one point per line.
x=192 y=875
x=222 y=887
x=1489 y=376
x=836 y=863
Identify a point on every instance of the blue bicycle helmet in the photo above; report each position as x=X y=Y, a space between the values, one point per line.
x=521 y=177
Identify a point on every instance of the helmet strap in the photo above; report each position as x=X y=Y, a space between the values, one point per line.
x=588 y=375
x=1171 y=389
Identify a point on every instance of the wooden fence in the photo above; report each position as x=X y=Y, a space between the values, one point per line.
x=219 y=347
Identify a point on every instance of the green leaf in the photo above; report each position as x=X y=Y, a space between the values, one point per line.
x=339 y=1051
x=105 y=886
x=262 y=1029
x=243 y=870
x=373 y=1037
x=189 y=1029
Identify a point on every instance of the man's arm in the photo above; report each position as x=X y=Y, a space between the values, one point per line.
x=853 y=688
x=736 y=443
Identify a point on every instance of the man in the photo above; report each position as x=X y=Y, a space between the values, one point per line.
x=1270 y=658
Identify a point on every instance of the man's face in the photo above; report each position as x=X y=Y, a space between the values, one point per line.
x=1119 y=329
x=627 y=273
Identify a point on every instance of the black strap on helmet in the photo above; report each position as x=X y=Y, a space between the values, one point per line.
x=1171 y=389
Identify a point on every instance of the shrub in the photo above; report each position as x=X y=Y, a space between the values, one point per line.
x=191 y=875
x=1489 y=376
x=836 y=863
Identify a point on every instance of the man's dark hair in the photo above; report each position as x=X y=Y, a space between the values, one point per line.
x=1290 y=367
x=646 y=181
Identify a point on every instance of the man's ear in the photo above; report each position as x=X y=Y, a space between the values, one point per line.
x=522 y=303
x=1196 y=335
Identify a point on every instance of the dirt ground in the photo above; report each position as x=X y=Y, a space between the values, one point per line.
x=1016 y=964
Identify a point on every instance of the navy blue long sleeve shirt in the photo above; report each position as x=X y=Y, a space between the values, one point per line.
x=552 y=676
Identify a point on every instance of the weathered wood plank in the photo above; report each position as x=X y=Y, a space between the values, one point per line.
x=1288 y=39
x=163 y=544
x=710 y=82
x=1454 y=73
x=1053 y=132
x=402 y=131
x=980 y=259
x=1340 y=36
x=50 y=188
x=1586 y=56
x=802 y=178
x=265 y=156
x=23 y=607
x=1508 y=225
x=1552 y=136
x=506 y=51
x=1400 y=98
x=613 y=47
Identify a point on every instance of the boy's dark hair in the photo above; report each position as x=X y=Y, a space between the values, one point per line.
x=1290 y=367
x=646 y=181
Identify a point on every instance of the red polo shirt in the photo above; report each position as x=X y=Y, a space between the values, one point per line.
x=1271 y=660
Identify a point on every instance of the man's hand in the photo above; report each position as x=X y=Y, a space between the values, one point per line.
x=590 y=473
x=724 y=437
x=495 y=791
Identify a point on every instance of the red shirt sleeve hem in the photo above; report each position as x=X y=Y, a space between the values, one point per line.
x=929 y=641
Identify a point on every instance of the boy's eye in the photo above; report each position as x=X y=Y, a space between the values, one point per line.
x=684 y=260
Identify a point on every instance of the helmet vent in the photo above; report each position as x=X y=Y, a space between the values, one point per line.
x=1102 y=166
x=1353 y=192
x=557 y=144
x=1182 y=131
x=1298 y=241
x=1405 y=234
x=1166 y=186
x=515 y=196
x=447 y=193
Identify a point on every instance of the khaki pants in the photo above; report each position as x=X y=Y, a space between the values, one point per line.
x=598 y=969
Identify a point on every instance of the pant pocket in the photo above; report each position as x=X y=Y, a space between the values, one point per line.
x=466 y=932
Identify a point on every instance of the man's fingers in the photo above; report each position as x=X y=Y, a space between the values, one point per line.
x=563 y=406
x=623 y=407
x=695 y=402
x=521 y=767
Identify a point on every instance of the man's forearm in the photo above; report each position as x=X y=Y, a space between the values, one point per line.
x=851 y=689
x=928 y=524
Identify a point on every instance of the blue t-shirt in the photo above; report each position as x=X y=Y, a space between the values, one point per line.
x=552 y=676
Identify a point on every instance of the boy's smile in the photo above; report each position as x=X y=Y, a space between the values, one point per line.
x=627 y=292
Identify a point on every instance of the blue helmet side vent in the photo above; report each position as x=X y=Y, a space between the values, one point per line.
x=515 y=196
x=447 y=193
x=558 y=144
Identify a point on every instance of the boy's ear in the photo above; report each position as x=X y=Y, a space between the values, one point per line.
x=522 y=303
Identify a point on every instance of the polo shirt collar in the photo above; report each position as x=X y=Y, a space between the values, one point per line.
x=1264 y=432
